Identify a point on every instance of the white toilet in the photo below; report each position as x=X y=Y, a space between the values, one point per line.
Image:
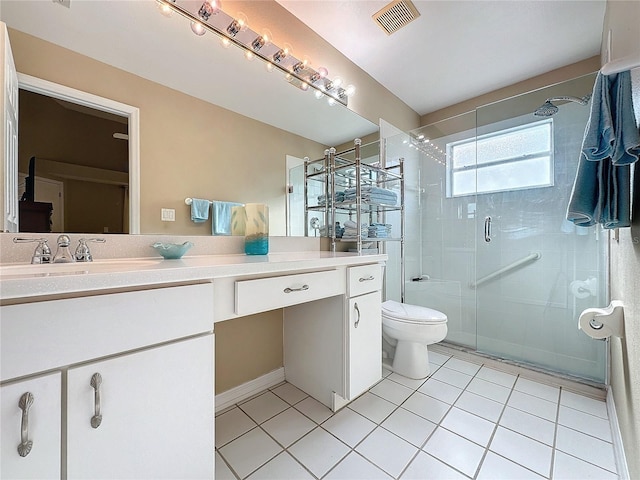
x=408 y=329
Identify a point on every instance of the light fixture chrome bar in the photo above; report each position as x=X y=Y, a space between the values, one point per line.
x=296 y=71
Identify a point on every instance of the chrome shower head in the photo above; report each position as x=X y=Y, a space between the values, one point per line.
x=548 y=109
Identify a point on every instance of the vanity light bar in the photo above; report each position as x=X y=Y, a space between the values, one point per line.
x=211 y=17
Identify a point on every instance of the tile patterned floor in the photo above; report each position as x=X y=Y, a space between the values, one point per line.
x=466 y=420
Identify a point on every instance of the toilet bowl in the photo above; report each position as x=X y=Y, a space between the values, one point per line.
x=406 y=331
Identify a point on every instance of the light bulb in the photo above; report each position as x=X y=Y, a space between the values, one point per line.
x=208 y=8
x=242 y=20
x=350 y=90
x=331 y=101
x=336 y=82
x=248 y=54
x=269 y=66
x=237 y=25
x=165 y=9
x=318 y=94
x=304 y=86
x=198 y=28
x=323 y=72
x=225 y=42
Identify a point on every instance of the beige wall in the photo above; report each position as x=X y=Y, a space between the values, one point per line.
x=623 y=18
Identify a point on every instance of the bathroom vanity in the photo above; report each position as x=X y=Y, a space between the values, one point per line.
x=107 y=368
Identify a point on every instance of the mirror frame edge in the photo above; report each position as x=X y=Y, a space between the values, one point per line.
x=61 y=92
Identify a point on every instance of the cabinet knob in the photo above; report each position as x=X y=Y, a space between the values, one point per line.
x=96 y=381
x=25 y=402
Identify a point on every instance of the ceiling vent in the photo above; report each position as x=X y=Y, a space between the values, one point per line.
x=395 y=16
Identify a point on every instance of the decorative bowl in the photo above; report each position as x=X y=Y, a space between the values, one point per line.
x=172 y=251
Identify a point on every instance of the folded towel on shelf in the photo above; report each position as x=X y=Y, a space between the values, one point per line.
x=221 y=222
x=369 y=189
x=379 y=230
x=199 y=210
x=339 y=197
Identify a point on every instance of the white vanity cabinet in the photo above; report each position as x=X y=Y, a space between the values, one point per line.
x=153 y=350
x=333 y=346
x=36 y=432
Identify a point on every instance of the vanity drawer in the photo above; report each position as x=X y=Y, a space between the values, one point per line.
x=52 y=334
x=364 y=279
x=263 y=294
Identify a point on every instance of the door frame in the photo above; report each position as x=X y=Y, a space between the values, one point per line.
x=61 y=92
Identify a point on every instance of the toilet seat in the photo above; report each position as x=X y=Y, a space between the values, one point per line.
x=414 y=314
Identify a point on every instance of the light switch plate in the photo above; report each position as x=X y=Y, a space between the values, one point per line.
x=168 y=215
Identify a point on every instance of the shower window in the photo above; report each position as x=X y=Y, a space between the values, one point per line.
x=508 y=159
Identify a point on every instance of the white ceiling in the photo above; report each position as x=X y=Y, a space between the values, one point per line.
x=454 y=51
x=457 y=50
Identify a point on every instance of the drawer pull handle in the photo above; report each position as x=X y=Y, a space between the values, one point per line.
x=25 y=402
x=301 y=289
x=96 y=381
x=367 y=279
x=357 y=322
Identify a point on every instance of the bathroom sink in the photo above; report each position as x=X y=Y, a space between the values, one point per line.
x=78 y=268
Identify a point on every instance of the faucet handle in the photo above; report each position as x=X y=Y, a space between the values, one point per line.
x=42 y=253
x=83 y=254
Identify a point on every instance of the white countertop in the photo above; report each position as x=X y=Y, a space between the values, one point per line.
x=32 y=281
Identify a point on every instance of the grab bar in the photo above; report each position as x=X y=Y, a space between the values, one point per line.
x=512 y=266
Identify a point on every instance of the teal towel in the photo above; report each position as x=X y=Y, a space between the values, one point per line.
x=221 y=222
x=199 y=210
x=602 y=189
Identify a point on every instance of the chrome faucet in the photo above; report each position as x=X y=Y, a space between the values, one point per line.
x=83 y=254
x=63 y=254
x=42 y=253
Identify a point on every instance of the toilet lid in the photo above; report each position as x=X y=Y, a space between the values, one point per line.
x=405 y=312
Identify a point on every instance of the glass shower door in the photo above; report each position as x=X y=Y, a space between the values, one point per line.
x=535 y=272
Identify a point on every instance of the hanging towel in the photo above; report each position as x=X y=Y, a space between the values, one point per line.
x=199 y=210
x=221 y=221
x=602 y=189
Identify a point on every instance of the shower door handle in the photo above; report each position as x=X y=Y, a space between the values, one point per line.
x=487 y=229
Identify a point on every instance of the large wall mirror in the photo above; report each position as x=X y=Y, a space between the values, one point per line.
x=212 y=125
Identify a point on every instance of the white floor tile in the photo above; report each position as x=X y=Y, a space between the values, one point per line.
x=437 y=358
x=566 y=467
x=469 y=426
x=250 y=451
x=425 y=467
x=495 y=467
x=387 y=451
x=538 y=389
x=319 y=451
x=407 y=382
x=392 y=391
x=222 y=471
x=264 y=406
x=356 y=467
x=489 y=390
x=231 y=424
x=452 y=377
x=462 y=366
x=522 y=450
x=289 y=393
x=409 y=426
x=534 y=405
x=529 y=425
x=455 y=451
x=440 y=390
x=427 y=407
x=480 y=406
x=349 y=426
x=586 y=447
x=373 y=407
x=584 y=404
x=288 y=426
x=282 y=467
x=496 y=376
x=585 y=423
x=313 y=409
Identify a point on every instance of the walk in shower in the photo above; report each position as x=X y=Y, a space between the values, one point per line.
x=487 y=242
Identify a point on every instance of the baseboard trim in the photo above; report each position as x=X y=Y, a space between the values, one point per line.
x=241 y=392
x=616 y=434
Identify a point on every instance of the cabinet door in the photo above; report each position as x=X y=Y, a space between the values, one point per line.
x=157 y=414
x=42 y=423
x=364 y=345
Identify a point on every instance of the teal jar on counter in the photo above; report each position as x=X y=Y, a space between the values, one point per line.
x=256 y=239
